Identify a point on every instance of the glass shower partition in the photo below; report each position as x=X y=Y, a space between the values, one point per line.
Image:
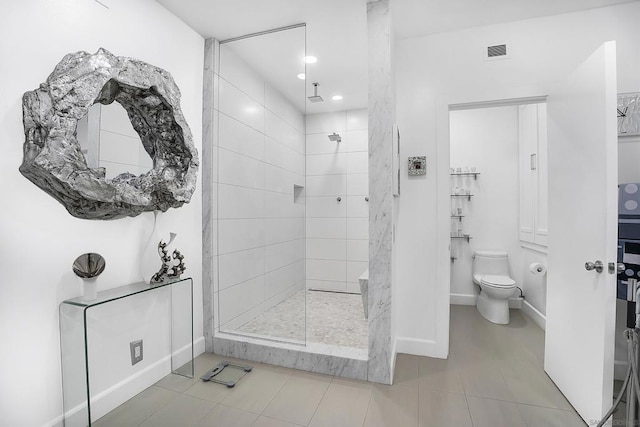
x=260 y=274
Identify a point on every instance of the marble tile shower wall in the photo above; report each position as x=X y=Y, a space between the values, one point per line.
x=260 y=218
x=337 y=244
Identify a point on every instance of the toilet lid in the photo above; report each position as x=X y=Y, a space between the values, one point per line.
x=498 y=281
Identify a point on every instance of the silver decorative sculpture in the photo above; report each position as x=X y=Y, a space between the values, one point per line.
x=53 y=159
x=169 y=270
x=88 y=267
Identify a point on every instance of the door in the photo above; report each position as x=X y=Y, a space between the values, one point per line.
x=583 y=228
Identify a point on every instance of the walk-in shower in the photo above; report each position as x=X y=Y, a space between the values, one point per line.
x=261 y=182
x=289 y=227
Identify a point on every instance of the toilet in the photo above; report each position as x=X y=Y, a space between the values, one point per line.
x=491 y=272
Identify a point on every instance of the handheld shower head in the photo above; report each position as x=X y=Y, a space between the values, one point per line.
x=335 y=137
x=315 y=97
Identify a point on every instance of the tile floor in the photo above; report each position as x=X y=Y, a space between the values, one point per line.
x=331 y=318
x=493 y=378
x=620 y=416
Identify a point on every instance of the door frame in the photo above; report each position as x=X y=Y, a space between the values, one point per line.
x=445 y=104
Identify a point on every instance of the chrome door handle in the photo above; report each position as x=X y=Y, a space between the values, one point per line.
x=616 y=267
x=597 y=266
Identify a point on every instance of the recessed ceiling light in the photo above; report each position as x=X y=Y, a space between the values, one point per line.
x=302 y=76
x=336 y=97
x=310 y=59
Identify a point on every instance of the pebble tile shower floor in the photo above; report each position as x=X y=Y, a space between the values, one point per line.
x=492 y=378
x=331 y=318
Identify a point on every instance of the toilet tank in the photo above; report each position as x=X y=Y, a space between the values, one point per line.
x=491 y=262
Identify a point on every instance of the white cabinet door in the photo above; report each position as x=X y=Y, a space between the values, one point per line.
x=541 y=228
x=527 y=139
x=532 y=139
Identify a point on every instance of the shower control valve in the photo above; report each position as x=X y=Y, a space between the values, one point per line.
x=339 y=198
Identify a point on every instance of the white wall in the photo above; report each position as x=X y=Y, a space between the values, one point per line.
x=628 y=159
x=337 y=231
x=430 y=69
x=485 y=138
x=40 y=239
x=120 y=146
x=534 y=286
x=260 y=220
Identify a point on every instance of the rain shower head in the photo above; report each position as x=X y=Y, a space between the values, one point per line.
x=315 y=97
x=335 y=137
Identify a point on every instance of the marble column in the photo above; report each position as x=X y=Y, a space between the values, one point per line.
x=381 y=119
x=209 y=179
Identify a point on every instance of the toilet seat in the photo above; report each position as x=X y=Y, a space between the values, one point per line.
x=497 y=281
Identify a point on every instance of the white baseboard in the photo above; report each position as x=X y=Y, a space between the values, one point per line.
x=470 y=299
x=462 y=299
x=532 y=313
x=516 y=302
x=417 y=347
x=56 y=422
x=394 y=354
x=119 y=393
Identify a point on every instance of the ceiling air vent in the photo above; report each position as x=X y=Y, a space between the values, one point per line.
x=497 y=51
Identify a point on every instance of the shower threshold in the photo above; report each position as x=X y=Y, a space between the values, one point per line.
x=320 y=358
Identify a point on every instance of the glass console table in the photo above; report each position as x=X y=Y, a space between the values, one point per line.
x=90 y=329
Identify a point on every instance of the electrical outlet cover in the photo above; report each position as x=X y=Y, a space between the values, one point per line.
x=136 y=351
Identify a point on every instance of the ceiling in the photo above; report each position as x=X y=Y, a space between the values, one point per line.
x=336 y=34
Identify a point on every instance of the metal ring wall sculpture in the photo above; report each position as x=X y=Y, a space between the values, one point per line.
x=53 y=159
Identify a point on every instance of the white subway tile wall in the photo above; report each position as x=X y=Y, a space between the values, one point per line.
x=240 y=138
x=335 y=254
x=282 y=279
x=240 y=106
x=285 y=110
x=237 y=267
x=291 y=209
x=358 y=250
x=326 y=228
x=327 y=164
x=327 y=122
x=326 y=249
x=358 y=228
x=235 y=71
x=358 y=184
x=239 y=170
x=260 y=228
x=240 y=234
x=239 y=202
x=241 y=298
x=317 y=144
